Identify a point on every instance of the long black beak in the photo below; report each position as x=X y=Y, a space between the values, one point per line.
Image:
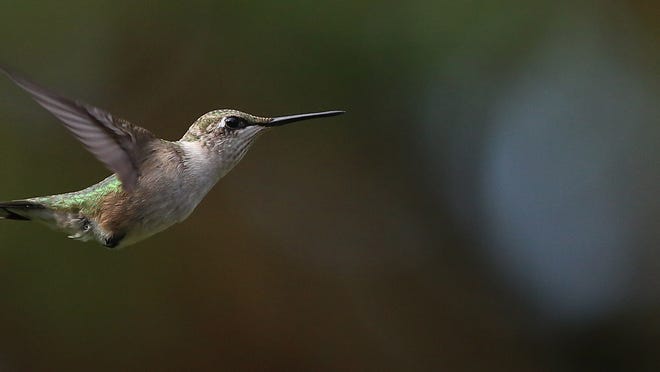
x=293 y=118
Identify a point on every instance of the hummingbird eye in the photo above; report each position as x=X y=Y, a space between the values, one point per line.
x=233 y=122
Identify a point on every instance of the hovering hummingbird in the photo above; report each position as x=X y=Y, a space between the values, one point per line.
x=156 y=183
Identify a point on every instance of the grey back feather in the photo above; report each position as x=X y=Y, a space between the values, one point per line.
x=118 y=144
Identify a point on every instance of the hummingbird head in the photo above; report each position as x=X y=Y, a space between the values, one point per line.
x=230 y=133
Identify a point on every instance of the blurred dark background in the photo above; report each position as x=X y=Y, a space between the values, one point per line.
x=489 y=202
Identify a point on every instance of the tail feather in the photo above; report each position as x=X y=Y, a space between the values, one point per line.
x=18 y=210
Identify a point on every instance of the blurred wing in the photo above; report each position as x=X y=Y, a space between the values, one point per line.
x=115 y=142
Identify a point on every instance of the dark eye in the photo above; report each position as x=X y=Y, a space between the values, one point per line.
x=233 y=122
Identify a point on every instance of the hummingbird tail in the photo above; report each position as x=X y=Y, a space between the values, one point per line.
x=20 y=210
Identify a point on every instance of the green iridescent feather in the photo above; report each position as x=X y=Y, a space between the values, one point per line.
x=84 y=200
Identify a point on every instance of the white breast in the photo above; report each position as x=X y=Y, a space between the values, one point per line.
x=201 y=173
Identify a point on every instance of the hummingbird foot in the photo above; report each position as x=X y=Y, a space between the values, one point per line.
x=84 y=228
x=87 y=230
x=76 y=236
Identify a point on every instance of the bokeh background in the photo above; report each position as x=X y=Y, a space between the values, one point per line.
x=489 y=202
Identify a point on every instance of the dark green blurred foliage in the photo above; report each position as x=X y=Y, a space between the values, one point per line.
x=354 y=243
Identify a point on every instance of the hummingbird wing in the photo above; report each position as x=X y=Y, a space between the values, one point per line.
x=118 y=144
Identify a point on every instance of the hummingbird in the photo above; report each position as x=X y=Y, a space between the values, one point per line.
x=155 y=183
